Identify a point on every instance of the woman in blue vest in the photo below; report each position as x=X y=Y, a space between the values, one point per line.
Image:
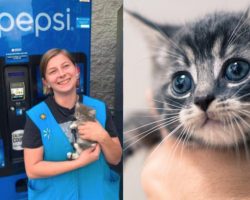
x=47 y=140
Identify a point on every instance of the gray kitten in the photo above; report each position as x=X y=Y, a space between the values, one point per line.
x=201 y=79
x=82 y=114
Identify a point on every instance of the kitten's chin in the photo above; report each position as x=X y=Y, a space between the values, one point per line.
x=217 y=134
x=210 y=123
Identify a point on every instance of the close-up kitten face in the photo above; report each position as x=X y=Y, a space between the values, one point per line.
x=190 y=139
x=202 y=79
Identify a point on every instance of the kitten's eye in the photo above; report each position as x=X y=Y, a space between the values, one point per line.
x=182 y=83
x=237 y=70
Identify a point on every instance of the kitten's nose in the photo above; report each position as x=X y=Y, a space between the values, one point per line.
x=204 y=101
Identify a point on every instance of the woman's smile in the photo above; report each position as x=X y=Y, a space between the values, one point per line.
x=64 y=82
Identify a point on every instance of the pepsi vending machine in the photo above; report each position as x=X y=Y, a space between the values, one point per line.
x=29 y=28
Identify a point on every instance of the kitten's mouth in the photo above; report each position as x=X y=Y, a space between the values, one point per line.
x=211 y=122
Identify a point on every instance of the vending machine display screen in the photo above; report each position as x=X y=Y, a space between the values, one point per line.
x=17 y=91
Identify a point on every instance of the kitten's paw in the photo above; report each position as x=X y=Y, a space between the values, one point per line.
x=73 y=126
x=72 y=156
x=69 y=155
x=75 y=156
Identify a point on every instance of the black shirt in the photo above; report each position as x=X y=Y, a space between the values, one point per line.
x=64 y=117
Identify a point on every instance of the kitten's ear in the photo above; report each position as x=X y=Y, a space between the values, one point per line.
x=153 y=31
x=92 y=112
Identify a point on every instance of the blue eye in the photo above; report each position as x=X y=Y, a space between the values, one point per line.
x=237 y=70
x=182 y=83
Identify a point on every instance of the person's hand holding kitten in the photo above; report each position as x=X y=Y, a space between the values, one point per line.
x=92 y=131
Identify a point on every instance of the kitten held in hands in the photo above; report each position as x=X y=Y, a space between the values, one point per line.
x=82 y=114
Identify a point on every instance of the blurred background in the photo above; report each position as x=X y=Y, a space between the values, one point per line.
x=137 y=64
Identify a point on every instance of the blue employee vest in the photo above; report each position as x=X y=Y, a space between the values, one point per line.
x=95 y=181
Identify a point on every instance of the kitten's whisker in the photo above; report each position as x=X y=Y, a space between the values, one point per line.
x=188 y=132
x=173 y=101
x=239 y=35
x=153 y=115
x=237 y=28
x=244 y=112
x=178 y=59
x=154 y=108
x=245 y=95
x=224 y=124
x=158 y=128
x=242 y=87
x=170 y=54
x=180 y=140
x=171 y=42
x=181 y=106
x=242 y=134
x=237 y=150
x=154 y=122
x=174 y=148
x=174 y=106
x=170 y=114
x=165 y=138
x=168 y=109
x=166 y=123
x=242 y=119
x=188 y=135
x=236 y=113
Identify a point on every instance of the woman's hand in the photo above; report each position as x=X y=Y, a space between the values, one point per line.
x=111 y=147
x=92 y=131
x=89 y=155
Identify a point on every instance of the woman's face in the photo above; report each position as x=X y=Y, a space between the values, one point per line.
x=61 y=74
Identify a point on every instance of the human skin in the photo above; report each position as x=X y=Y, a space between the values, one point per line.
x=190 y=172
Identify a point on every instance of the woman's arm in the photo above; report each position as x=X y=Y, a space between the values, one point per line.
x=110 y=146
x=112 y=149
x=36 y=167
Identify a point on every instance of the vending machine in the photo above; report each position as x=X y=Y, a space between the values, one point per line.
x=29 y=28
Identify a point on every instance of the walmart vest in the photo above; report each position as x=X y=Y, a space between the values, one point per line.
x=95 y=181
